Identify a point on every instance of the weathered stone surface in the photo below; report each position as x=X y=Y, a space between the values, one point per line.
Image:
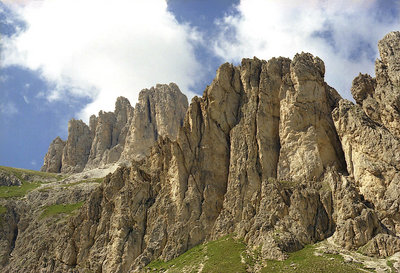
x=77 y=148
x=382 y=245
x=53 y=158
x=8 y=234
x=363 y=87
x=109 y=134
x=258 y=155
x=380 y=96
x=9 y=179
x=159 y=112
x=372 y=159
x=221 y=175
x=27 y=238
x=270 y=153
x=119 y=136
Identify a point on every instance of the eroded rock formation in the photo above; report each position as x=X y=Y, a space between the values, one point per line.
x=159 y=112
x=270 y=153
x=122 y=135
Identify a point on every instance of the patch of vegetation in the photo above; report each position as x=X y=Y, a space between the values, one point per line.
x=45 y=189
x=90 y=180
x=21 y=173
x=390 y=264
x=223 y=255
x=3 y=210
x=59 y=209
x=18 y=191
x=230 y=255
x=306 y=261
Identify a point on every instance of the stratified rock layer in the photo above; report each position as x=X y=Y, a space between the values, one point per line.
x=119 y=136
x=270 y=153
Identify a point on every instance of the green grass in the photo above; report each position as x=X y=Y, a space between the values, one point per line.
x=53 y=210
x=18 y=191
x=389 y=263
x=223 y=255
x=229 y=255
x=27 y=186
x=305 y=261
x=21 y=172
x=3 y=210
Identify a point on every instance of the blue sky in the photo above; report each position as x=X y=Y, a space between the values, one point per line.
x=63 y=59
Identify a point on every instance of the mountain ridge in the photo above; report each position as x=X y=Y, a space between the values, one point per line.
x=159 y=111
x=270 y=153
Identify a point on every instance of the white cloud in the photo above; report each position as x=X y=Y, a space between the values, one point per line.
x=343 y=33
x=8 y=108
x=103 y=49
x=26 y=99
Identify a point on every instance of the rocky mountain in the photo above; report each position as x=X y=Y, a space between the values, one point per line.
x=270 y=154
x=120 y=136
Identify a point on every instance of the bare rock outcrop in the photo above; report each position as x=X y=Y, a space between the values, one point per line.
x=222 y=176
x=270 y=153
x=119 y=136
x=53 y=159
x=383 y=245
x=77 y=147
x=109 y=134
x=380 y=97
x=9 y=179
x=159 y=112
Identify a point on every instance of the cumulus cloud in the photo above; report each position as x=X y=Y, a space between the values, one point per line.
x=102 y=49
x=343 y=33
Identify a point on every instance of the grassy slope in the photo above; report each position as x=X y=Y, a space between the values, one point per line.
x=61 y=208
x=212 y=257
x=306 y=261
x=19 y=191
x=20 y=173
x=229 y=255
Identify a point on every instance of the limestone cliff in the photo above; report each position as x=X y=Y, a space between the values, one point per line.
x=125 y=134
x=109 y=134
x=270 y=153
x=159 y=112
x=53 y=159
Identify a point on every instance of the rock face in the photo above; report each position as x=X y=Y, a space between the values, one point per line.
x=7 y=179
x=380 y=97
x=122 y=135
x=270 y=153
x=77 y=148
x=53 y=159
x=109 y=134
x=159 y=112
